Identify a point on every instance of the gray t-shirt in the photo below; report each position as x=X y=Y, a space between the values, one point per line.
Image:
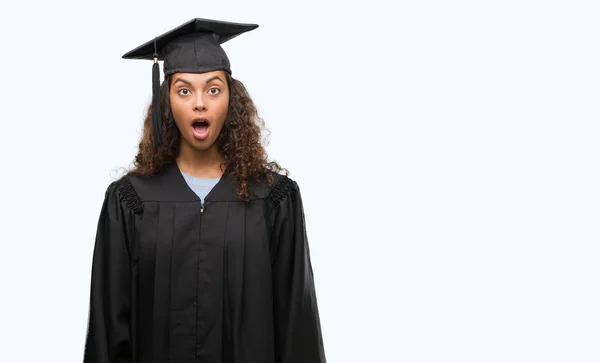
x=200 y=186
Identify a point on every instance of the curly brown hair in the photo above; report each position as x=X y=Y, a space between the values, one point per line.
x=239 y=141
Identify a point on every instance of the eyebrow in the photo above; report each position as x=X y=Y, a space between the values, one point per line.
x=182 y=80
x=190 y=83
x=213 y=78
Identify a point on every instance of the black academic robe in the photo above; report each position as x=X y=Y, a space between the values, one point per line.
x=224 y=281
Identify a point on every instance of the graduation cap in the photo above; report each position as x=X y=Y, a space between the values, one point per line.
x=193 y=47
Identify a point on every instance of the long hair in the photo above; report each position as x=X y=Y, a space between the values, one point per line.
x=239 y=141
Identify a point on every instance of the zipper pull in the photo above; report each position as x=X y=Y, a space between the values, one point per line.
x=201 y=207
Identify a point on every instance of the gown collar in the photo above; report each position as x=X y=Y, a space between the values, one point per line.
x=224 y=190
x=169 y=185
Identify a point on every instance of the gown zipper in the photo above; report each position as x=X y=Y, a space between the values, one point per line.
x=198 y=276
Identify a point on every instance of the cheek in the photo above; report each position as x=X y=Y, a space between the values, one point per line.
x=223 y=107
x=176 y=109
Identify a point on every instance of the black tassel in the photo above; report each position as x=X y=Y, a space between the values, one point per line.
x=156 y=112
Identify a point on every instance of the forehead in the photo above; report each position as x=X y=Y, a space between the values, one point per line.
x=199 y=78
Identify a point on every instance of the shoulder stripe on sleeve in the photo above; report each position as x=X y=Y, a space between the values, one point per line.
x=129 y=195
x=280 y=190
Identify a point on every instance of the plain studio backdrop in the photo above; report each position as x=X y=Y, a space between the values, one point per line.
x=447 y=154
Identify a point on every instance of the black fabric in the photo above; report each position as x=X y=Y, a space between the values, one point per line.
x=193 y=47
x=172 y=282
x=129 y=195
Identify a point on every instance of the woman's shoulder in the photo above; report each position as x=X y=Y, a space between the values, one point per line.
x=282 y=187
x=123 y=190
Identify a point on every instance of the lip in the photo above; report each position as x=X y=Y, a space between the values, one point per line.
x=200 y=119
x=200 y=135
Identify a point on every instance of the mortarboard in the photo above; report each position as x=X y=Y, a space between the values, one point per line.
x=193 y=47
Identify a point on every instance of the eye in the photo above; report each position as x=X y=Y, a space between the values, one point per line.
x=184 y=91
x=214 y=91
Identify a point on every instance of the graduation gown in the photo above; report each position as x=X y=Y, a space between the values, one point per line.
x=225 y=281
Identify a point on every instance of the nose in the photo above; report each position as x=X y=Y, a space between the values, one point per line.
x=199 y=105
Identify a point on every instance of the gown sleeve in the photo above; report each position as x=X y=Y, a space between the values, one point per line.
x=108 y=334
x=298 y=337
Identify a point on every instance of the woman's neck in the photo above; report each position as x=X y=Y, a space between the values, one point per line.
x=201 y=164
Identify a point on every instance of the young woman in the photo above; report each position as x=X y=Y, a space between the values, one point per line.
x=201 y=252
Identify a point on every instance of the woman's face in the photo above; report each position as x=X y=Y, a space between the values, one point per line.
x=199 y=102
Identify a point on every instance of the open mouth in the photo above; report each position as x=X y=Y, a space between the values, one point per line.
x=200 y=128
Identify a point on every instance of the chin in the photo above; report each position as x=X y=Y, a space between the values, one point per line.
x=199 y=145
